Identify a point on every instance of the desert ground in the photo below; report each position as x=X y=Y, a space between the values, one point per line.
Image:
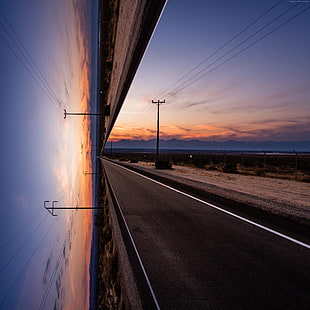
x=278 y=196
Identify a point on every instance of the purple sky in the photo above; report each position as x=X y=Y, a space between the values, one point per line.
x=261 y=94
x=45 y=63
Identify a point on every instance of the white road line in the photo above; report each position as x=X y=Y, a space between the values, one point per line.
x=136 y=250
x=222 y=210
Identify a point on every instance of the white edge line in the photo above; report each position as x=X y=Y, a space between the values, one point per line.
x=222 y=210
x=136 y=250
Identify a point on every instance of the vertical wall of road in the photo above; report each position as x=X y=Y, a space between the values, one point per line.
x=125 y=29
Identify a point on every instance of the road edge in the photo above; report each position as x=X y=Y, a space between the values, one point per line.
x=290 y=225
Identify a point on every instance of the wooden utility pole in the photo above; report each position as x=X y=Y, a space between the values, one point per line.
x=77 y=207
x=158 y=103
x=78 y=113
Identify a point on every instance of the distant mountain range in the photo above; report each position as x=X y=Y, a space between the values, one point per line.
x=231 y=145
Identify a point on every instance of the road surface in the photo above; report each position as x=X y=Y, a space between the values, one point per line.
x=198 y=257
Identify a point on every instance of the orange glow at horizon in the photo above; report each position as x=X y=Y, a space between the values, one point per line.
x=219 y=131
x=73 y=181
x=199 y=132
x=80 y=254
x=71 y=234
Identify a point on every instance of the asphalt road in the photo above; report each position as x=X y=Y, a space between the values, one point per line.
x=197 y=257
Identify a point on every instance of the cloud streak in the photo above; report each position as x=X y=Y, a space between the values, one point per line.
x=267 y=129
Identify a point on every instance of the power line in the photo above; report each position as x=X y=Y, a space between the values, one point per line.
x=50 y=282
x=24 y=57
x=27 y=263
x=221 y=47
x=19 y=248
x=235 y=47
x=144 y=114
x=57 y=264
x=138 y=120
x=18 y=231
x=179 y=88
x=23 y=50
x=24 y=65
x=241 y=51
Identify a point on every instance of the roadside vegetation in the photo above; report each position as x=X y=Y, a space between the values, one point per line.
x=290 y=166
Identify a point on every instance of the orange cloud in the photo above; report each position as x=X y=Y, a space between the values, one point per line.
x=132 y=133
x=240 y=130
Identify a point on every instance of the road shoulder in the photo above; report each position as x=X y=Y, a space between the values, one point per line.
x=284 y=213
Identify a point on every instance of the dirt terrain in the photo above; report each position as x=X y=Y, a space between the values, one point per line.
x=278 y=196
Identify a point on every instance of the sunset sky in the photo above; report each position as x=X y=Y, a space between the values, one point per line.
x=260 y=94
x=46 y=56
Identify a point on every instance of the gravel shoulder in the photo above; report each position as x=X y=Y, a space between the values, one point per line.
x=287 y=198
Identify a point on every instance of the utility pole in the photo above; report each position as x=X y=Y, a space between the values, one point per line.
x=158 y=103
x=53 y=208
x=296 y=163
x=78 y=113
x=87 y=173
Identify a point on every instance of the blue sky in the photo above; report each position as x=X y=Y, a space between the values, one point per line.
x=261 y=94
x=43 y=156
